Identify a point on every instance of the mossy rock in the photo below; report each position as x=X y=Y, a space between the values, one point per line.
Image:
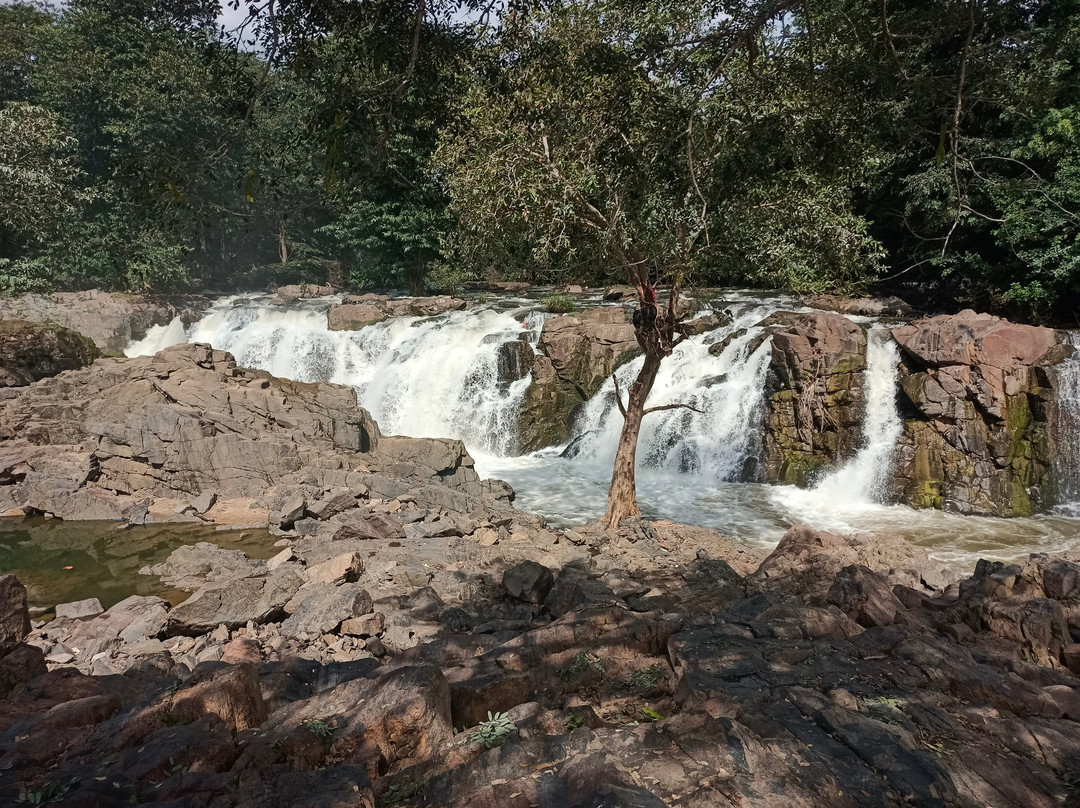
x=32 y=351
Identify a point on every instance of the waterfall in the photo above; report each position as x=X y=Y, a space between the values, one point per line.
x=425 y=377
x=158 y=338
x=1067 y=449
x=716 y=438
x=867 y=476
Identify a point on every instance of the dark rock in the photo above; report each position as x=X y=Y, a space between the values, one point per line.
x=528 y=581
x=864 y=596
x=14 y=614
x=31 y=351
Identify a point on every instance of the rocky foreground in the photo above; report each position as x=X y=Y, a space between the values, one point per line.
x=419 y=641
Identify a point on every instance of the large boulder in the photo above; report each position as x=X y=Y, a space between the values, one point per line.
x=577 y=354
x=864 y=306
x=806 y=562
x=357 y=311
x=976 y=440
x=111 y=321
x=814 y=390
x=32 y=351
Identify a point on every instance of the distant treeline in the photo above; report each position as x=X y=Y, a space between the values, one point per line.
x=929 y=148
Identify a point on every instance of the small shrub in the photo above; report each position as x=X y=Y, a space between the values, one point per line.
x=581 y=662
x=574 y=721
x=494 y=731
x=558 y=304
x=647 y=678
x=319 y=728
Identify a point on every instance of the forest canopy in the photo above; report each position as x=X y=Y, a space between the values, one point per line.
x=930 y=149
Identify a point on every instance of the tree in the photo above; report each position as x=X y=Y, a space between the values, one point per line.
x=617 y=134
x=39 y=175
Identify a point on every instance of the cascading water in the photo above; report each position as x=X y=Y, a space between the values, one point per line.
x=867 y=476
x=426 y=377
x=1067 y=453
x=715 y=438
x=440 y=377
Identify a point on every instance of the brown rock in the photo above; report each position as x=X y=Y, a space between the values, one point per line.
x=353 y=316
x=14 y=615
x=32 y=351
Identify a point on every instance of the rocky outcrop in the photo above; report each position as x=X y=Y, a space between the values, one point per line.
x=145 y=439
x=357 y=311
x=32 y=351
x=975 y=439
x=650 y=673
x=300 y=291
x=864 y=306
x=577 y=354
x=111 y=321
x=814 y=394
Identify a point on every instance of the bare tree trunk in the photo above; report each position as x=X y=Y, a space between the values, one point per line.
x=283 y=248
x=622 y=495
x=416 y=275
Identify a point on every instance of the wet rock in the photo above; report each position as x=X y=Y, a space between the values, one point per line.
x=528 y=581
x=32 y=351
x=814 y=389
x=862 y=306
x=300 y=291
x=978 y=442
x=577 y=355
x=515 y=360
x=353 y=316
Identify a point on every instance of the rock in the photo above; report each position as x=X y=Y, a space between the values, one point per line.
x=111 y=321
x=242 y=649
x=528 y=581
x=814 y=389
x=862 y=306
x=20 y=665
x=192 y=565
x=806 y=561
x=90 y=607
x=284 y=557
x=204 y=502
x=337 y=570
x=366 y=626
x=333 y=502
x=318 y=608
x=14 y=614
x=257 y=599
x=290 y=510
x=353 y=316
x=32 y=351
x=514 y=361
x=1070 y=655
x=300 y=291
x=864 y=596
x=979 y=441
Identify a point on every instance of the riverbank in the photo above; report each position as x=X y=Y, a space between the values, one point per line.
x=417 y=639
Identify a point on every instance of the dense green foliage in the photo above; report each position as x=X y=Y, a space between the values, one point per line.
x=926 y=148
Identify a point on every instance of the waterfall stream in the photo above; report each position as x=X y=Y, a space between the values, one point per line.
x=439 y=377
x=1067 y=455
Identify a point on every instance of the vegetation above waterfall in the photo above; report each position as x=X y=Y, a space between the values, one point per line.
x=929 y=149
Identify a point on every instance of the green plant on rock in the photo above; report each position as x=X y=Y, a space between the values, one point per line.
x=495 y=731
x=52 y=791
x=558 y=304
x=319 y=728
x=581 y=662
x=647 y=678
x=400 y=792
x=574 y=721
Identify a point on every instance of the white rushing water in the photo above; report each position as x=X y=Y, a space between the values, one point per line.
x=1067 y=455
x=439 y=377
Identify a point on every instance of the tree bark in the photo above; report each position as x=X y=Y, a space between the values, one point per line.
x=622 y=495
x=283 y=248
